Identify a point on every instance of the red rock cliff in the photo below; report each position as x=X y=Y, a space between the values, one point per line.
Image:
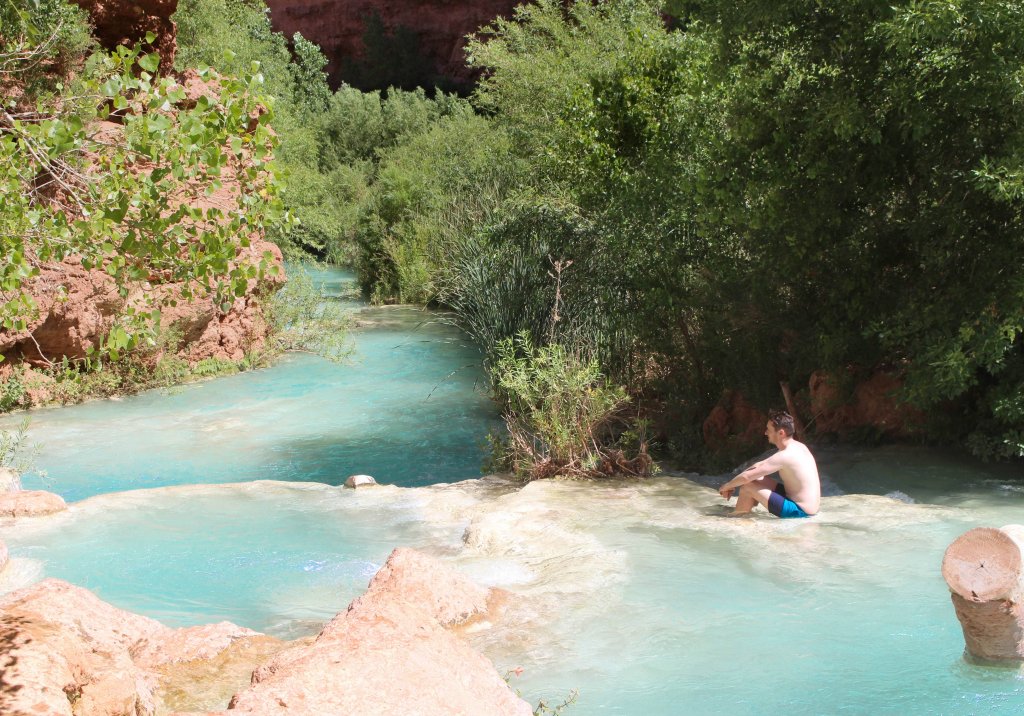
x=124 y=22
x=338 y=26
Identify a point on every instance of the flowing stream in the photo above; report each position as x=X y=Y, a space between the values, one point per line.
x=637 y=593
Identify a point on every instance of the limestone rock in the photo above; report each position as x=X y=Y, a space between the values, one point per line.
x=67 y=652
x=30 y=503
x=419 y=580
x=187 y=644
x=66 y=649
x=390 y=654
x=204 y=685
x=359 y=481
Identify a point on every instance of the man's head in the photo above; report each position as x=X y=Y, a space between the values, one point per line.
x=780 y=427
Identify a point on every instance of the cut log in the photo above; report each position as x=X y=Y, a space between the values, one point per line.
x=984 y=569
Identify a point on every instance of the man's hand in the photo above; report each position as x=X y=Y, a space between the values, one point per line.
x=726 y=492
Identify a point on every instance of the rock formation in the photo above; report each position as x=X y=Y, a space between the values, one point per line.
x=30 y=503
x=338 y=27
x=870 y=403
x=76 y=306
x=355 y=481
x=391 y=652
x=117 y=22
x=984 y=569
x=734 y=422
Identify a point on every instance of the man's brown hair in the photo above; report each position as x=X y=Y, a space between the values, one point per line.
x=782 y=421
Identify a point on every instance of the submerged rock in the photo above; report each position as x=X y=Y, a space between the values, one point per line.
x=360 y=481
x=30 y=503
x=188 y=644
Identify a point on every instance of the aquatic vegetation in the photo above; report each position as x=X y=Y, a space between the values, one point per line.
x=304 y=318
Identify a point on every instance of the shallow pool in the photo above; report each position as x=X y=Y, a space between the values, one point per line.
x=641 y=595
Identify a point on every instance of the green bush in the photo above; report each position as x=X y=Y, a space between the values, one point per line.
x=430 y=195
x=562 y=414
x=303 y=318
x=41 y=41
x=12 y=391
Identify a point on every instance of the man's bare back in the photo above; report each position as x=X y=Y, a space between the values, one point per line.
x=799 y=473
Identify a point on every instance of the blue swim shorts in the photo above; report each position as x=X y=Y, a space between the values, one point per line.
x=781 y=506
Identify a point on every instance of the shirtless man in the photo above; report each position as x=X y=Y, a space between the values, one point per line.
x=799 y=492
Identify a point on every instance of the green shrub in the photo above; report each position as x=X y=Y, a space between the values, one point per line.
x=16 y=452
x=12 y=391
x=562 y=414
x=41 y=41
x=303 y=318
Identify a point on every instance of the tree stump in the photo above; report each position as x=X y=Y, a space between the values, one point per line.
x=985 y=574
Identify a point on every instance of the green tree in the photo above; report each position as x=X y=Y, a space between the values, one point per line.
x=126 y=206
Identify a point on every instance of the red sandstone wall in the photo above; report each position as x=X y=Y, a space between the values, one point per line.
x=338 y=26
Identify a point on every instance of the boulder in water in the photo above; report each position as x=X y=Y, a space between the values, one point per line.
x=68 y=652
x=984 y=569
x=392 y=653
x=30 y=503
x=359 y=481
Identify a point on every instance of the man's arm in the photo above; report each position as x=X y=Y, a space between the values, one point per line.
x=755 y=472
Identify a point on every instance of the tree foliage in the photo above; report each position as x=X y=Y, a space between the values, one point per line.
x=107 y=169
x=743 y=195
x=756 y=191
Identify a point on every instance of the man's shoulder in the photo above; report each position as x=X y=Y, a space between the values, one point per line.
x=794 y=451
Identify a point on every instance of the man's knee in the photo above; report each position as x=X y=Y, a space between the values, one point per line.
x=759 y=490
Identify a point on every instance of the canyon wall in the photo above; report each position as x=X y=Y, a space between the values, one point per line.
x=338 y=26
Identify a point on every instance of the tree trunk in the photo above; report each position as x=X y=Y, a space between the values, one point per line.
x=787 y=395
x=984 y=571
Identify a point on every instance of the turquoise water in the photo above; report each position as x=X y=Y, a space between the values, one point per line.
x=409 y=408
x=637 y=593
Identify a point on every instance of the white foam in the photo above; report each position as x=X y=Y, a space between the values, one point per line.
x=20 y=572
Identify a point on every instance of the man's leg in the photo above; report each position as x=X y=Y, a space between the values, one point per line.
x=753 y=493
